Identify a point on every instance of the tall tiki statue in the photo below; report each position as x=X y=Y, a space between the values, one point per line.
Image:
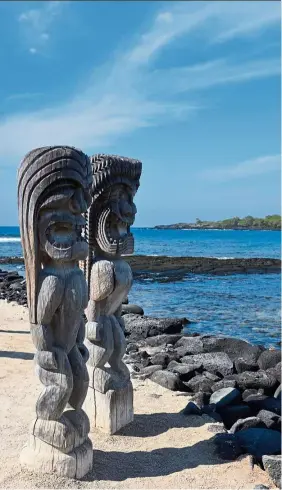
x=53 y=194
x=109 y=401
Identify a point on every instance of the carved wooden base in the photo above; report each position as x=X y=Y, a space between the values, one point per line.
x=40 y=457
x=61 y=446
x=110 y=411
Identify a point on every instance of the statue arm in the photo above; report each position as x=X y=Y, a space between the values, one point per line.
x=102 y=283
x=80 y=341
x=49 y=298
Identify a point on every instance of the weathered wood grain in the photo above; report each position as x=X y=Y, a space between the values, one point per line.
x=53 y=195
x=109 y=401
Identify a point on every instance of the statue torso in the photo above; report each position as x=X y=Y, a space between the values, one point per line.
x=65 y=322
x=122 y=280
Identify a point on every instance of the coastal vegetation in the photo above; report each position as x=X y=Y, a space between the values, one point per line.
x=270 y=222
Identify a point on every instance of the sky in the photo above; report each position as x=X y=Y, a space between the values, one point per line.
x=192 y=89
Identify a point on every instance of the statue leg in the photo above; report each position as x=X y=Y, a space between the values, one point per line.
x=58 y=385
x=99 y=354
x=119 y=350
x=80 y=378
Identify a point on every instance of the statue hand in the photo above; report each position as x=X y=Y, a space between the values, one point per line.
x=46 y=359
x=83 y=351
x=92 y=331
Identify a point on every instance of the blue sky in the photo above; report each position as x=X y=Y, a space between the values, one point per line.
x=190 y=88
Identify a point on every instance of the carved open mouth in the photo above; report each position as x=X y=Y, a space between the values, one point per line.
x=117 y=229
x=63 y=235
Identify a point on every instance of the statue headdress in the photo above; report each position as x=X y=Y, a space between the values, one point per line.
x=107 y=170
x=39 y=171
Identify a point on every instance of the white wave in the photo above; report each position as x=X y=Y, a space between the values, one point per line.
x=7 y=239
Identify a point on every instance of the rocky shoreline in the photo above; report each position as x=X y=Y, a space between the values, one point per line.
x=163 y=268
x=236 y=383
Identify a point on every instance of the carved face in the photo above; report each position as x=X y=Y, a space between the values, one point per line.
x=114 y=220
x=60 y=222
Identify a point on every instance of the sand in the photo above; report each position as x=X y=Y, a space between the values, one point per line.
x=160 y=449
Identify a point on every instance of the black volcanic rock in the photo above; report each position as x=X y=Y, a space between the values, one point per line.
x=215 y=362
x=138 y=327
x=233 y=347
x=166 y=379
x=270 y=419
x=269 y=359
x=259 y=442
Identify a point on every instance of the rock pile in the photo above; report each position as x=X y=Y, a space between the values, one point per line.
x=234 y=382
x=13 y=287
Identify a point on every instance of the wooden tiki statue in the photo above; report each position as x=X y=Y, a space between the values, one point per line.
x=53 y=194
x=109 y=402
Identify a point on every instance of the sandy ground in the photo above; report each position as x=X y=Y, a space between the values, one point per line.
x=160 y=449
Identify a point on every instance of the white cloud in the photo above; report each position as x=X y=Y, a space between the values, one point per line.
x=242 y=170
x=206 y=75
x=128 y=94
x=36 y=22
x=222 y=20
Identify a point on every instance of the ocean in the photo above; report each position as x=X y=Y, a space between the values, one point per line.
x=244 y=305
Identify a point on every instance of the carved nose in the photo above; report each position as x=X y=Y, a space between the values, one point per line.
x=78 y=204
x=128 y=210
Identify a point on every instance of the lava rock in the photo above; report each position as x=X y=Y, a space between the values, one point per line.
x=231 y=413
x=201 y=382
x=191 y=409
x=224 y=383
x=233 y=347
x=146 y=372
x=167 y=379
x=201 y=399
x=257 y=380
x=130 y=308
x=131 y=348
x=272 y=464
x=189 y=345
x=217 y=362
x=259 y=442
x=242 y=365
x=138 y=327
x=227 y=446
x=225 y=396
x=251 y=391
x=160 y=358
x=263 y=402
x=243 y=424
x=185 y=371
x=162 y=340
x=269 y=358
x=270 y=419
x=17 y=286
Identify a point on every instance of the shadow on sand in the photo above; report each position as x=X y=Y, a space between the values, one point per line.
x=17 y=355
x=119 y=466
x=149 y=425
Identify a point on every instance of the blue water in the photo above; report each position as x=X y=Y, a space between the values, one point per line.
x=247 y=306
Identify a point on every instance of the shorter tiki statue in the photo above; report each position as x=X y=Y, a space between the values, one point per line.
x=53 y=195
x=109 y=402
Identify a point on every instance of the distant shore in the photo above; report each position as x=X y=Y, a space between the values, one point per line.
x=160 y=268
x=249 y=223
